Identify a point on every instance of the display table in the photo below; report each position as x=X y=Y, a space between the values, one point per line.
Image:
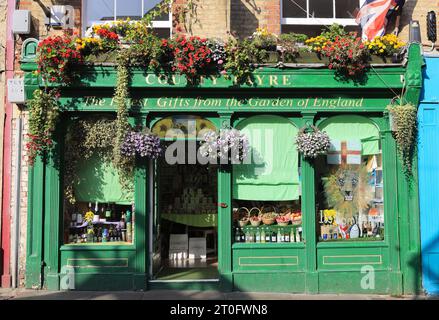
x=202 y=220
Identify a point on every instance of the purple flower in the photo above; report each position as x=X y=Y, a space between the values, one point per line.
x=143 y=144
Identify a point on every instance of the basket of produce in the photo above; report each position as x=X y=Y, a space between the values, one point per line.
x=255 y=220
x=243 y=216
x=296 y=218
x=283 y=220
x=268 y=214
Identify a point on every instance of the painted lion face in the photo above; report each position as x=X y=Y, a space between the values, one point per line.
x=347 y=181
x=346 y=190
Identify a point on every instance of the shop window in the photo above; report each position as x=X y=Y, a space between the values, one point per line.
x=182 y=127
x=107 y=11
x=266 y=187
x=349 y=182
x=310 y=16
x=97 y=209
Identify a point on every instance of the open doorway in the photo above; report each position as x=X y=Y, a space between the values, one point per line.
x=184 y=224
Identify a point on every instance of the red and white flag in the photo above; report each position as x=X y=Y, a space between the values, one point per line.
x=372 y=17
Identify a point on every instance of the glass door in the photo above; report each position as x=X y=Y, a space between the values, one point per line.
x=183 y=224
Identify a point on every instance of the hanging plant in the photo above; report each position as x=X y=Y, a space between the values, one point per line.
x=43 y=117
x=312 y=142
x=56 y=56
x=230 y=144
x=404 y=118
x=141 y=143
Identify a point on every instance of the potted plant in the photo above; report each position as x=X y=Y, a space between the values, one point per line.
x=312 y=142
x=385 y=48
x=266 y=42
x=288 y=46
x=141 y=143
x=229 y=145
x=347 y=55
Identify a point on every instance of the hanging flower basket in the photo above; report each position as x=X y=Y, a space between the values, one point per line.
x=312 y=142
x=230 y=145
x=144 y=144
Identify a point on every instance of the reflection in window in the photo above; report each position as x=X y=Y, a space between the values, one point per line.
x=349 y=186
x=102 y=11
x=184 y=126
x=302 y=14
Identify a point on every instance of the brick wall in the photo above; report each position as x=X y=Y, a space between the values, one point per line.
x=247 y=15
x=2 y=83
x=208 y=18
x=417 y=10
x=23 y=190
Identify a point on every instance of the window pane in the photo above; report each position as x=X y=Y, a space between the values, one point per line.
x=103 y=210
x=346 y=8
x=266 y=191
x=349 y=182
x=312 y=30
x=321 y=9
x=294 y=9
x=98 y=11
x=148 y=5
x=129 y=9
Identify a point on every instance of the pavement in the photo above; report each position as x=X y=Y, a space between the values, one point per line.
x=27 y=294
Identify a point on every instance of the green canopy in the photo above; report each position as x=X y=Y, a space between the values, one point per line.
x=272 y=173
x=99 y=181
x=354 y=127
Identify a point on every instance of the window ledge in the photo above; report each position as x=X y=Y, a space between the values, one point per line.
x=269 y=245
x=98 y=247
x=352 y=244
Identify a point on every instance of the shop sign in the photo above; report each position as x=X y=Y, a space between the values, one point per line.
x=172 y=103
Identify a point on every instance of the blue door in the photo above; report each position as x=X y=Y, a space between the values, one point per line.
x=428 y=156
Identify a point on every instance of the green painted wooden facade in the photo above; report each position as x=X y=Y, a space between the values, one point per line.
x=304 y=96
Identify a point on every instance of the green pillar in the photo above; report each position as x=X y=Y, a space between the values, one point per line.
x=309 y=214
x=53 y=215
x=141 y=199
x=225 y=218
x=34 y=244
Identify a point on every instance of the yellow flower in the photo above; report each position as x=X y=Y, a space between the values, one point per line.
x=381 y=50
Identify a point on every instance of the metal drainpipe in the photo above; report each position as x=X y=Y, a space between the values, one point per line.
x=16 y=220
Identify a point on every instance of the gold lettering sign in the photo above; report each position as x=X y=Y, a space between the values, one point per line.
x=215 y=104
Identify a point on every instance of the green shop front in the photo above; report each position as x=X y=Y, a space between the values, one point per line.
x=346 y=221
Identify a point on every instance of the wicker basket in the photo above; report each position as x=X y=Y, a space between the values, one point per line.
x=265 y=210
x=255 y=223
x=243 y=221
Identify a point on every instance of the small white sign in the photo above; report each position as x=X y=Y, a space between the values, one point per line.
x=197 y=248
x=16 y=90
x=178 y=246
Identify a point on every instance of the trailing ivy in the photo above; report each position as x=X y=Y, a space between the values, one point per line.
x=84 y=138
x=43 y=117
x=125 y=165
x=405 y=130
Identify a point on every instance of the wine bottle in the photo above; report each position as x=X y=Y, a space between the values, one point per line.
x=241 y=232
x=286 y=236
x=279 y=235
x=257 y=235
x=263 y=235
x=237 y=235
x=267 y=235
x=273 y=236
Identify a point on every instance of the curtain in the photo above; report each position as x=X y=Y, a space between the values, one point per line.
x=272 y=172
